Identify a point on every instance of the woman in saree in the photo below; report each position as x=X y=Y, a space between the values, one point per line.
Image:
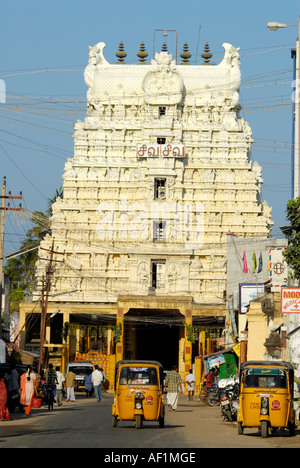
x=28 y=389
x=4 y=413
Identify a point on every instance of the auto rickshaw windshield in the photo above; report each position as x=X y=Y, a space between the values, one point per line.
x=265 y=378
x=138 y=376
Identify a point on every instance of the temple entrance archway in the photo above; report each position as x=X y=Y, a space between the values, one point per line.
x=153 y=335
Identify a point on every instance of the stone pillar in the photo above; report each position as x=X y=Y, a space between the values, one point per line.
x=120 y=344
x=257 y=331
x=243 y=344
x=188 y=344
x=109 y=340
x=202 y=339
x=22 y=321
x=78 y=339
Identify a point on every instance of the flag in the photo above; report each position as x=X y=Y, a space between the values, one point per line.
x=254 y=262
x=245 y=268
x=260 y=263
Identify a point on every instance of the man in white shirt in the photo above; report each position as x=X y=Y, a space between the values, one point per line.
x=60 y=385
x=190 y=380
x=97 y=379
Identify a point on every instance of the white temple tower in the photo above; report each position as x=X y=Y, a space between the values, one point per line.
x=161 y=173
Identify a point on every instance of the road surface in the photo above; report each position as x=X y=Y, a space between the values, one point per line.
x=88 y=424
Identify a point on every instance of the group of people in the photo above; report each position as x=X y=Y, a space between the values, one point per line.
x=94 y=381
x=19 y=392
x=174 y=384
x=58 y=383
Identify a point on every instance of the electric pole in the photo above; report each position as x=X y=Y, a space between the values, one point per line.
x=3 y=209
x=49 y=273
x=46 y=287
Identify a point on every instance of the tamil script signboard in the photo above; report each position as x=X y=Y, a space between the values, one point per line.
x=290 y=300
x=160 y=151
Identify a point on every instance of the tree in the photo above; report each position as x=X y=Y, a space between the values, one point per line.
x=292 y=253
x=59 y=193
x=21 y=269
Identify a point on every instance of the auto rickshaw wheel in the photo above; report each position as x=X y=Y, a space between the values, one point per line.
x=240 y=429
x=292 y=428
x=162 y=422
x=264 y=429
x=138 y=421
x=114 y=421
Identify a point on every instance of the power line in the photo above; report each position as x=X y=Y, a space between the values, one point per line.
x=20 y=170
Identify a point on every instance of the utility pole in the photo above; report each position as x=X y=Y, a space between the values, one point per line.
x=45 y=298
x=3 y=209
x=49 y=273
x=2 y=226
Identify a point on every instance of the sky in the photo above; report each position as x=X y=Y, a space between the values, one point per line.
x=44 y=47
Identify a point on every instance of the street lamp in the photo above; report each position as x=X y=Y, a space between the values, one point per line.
x=54 y=313
x=274 y=26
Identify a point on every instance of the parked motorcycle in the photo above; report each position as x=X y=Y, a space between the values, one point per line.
x=209 y=396
x=213 y=396
x=229 y=399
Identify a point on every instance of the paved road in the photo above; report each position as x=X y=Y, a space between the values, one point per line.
x=88 y=424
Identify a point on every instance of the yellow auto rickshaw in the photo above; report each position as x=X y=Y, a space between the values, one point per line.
x=266 y=396
x=138 y=393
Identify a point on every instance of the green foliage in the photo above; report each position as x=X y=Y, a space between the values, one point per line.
x=118 y=331
x=292 y=253
x=59 y=193
x=191 y=332
x=65 y=331
x=21 y=269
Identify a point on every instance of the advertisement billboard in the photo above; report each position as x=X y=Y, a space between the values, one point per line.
x=290 y=300
x=249 y=292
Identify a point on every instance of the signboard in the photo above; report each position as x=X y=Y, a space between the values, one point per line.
x=216 y=361
x=290 y=300
x=249 y=292
x=160 y=151
x=278 y=269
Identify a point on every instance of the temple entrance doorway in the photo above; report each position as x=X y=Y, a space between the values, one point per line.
x=153 y=335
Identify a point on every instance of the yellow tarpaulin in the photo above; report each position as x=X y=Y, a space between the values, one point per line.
x=237 y=349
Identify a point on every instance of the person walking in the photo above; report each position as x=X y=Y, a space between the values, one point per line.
x=61 y=382
x=13 y=389
x=4 y=413
x=28 y=389
x=50 y=384
x=70 y=384
x=190 y=381
x=88 y=386
x=103 y=381
x=97 y=379
x=173 y=386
